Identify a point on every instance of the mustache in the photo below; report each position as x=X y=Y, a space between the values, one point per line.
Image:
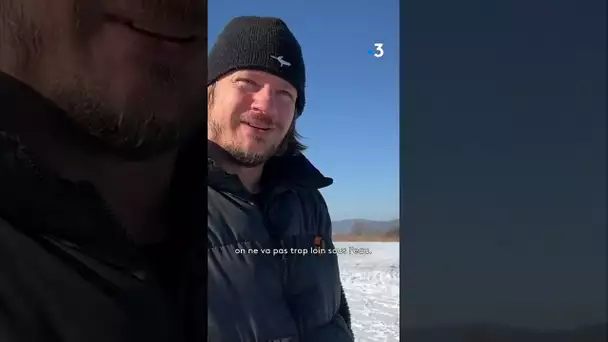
x=260 y=119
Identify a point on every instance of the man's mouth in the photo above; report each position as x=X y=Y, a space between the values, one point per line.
x=172 y=35
x=258 y=126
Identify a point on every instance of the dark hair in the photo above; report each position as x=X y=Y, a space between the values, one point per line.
x=293 y=141
x=290 y=145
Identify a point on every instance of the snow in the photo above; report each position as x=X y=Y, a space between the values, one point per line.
x=370 y=275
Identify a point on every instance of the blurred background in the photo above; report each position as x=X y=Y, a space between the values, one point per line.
x=503 y=170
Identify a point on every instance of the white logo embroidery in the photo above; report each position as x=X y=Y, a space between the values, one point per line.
x=280 y=59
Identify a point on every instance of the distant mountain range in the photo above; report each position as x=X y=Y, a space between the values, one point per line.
x=345 y=226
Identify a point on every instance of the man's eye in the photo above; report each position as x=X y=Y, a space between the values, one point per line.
x=244 y=81
x=286 y=93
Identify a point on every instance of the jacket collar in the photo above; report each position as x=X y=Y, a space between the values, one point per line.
x=287 y=172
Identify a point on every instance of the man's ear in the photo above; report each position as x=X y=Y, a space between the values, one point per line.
x=210 y=93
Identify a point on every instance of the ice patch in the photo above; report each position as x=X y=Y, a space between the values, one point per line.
x=371 y=284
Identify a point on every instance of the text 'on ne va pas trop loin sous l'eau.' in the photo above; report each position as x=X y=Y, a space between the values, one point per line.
x=304 y=251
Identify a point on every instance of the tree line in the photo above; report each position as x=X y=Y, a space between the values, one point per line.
x=359 y=228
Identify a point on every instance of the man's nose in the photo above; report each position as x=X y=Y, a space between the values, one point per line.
x=264 y=100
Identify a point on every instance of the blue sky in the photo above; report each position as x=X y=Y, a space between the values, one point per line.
x=351 y=119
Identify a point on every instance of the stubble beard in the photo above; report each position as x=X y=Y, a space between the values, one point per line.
x=130 y=131
x=239 y=156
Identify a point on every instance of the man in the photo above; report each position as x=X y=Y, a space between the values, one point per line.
x=97 y=238
x=263 y=197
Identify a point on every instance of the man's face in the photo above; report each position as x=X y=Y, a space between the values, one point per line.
x=249 y=115
x=129 y=72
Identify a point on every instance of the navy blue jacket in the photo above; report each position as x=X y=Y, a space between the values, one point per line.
x=282 y=295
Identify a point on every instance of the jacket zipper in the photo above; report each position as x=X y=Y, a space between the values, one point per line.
x=280 y=243
x=284 y=259
x=299 y=325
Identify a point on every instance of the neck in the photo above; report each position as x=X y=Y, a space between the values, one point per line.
x=133 y=191
x=249 y=176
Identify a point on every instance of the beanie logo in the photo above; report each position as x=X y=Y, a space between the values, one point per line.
x=281 y=60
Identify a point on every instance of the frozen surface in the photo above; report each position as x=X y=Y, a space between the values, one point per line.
x=371 y=283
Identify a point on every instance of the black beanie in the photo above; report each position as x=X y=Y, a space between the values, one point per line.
x=259 y=43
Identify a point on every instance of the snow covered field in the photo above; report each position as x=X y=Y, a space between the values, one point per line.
x=371 y=283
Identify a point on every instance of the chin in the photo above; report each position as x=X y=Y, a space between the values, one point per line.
x=170 y=105
x=254 y=148
x=256 y=151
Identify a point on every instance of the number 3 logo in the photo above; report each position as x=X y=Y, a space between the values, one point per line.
x=379 y=52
